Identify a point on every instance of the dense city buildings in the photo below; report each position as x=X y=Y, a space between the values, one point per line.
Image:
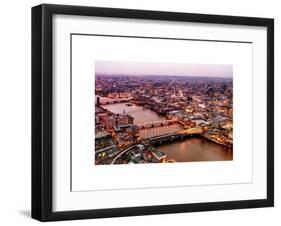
x=150 y=119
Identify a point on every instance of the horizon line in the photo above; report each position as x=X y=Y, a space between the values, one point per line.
x=162 y=69
x=160 y=75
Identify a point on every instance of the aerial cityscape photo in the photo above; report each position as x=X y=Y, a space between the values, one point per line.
x=149 y=112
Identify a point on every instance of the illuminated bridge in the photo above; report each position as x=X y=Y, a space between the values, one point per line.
x=162 y=138
x=156 y=124
x=176 y=135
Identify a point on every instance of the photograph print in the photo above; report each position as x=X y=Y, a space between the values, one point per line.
x=148 y=112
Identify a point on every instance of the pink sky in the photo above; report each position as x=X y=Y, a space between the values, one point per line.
x=177 y=69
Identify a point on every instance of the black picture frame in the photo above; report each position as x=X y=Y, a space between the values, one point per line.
x=42 y=107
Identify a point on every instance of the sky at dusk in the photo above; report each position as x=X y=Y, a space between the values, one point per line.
x=175 y=69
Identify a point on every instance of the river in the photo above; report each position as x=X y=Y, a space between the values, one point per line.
x=195 y=149
x=144 y=115
x=188 y=150
x=140 y=114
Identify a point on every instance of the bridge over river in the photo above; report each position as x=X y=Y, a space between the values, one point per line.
x=156 y=123
x=162 y=138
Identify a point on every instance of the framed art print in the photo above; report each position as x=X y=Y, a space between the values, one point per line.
x=145 y=112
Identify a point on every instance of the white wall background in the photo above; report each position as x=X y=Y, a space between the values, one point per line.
x=15 y=111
